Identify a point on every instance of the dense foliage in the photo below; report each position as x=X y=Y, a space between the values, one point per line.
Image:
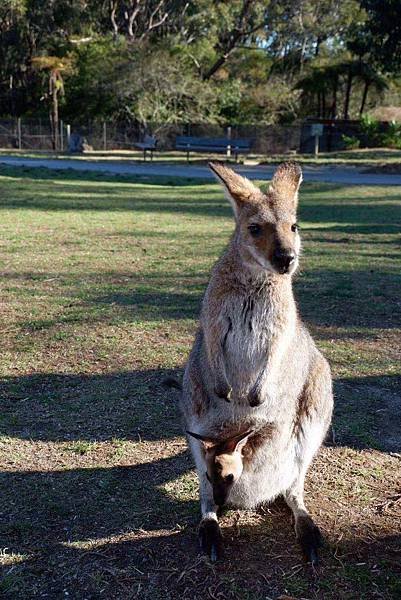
x=210 y=61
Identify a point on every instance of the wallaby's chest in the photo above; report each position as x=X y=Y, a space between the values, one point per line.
x=252 y=323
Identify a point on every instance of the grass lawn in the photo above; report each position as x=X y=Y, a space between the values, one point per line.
x=101 y=282
x=364 y=158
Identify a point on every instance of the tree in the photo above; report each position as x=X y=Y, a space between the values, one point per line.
x=138 y=19
x=235 y=23
x=381 y=33
x=156 y=86
x=55 y=68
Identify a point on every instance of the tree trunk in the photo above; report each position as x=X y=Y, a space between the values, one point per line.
x=113 y=7
x=364 y=96
x=317 y=48
x=238 y=34
x=302 y=57
x=348 y=94
x=54 y=111
x=216 y=66
x=334 y=105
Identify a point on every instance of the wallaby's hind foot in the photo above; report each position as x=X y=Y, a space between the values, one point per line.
x=210 y=539
x=309 y=538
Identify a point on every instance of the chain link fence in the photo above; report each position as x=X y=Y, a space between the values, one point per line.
x=36 y=134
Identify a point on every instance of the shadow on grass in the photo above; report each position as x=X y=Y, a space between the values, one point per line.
x=135 y=406
x=81 y=176
x=44 y=513
x=155 y=306
x=50 y=516
x=350 y=298
x=353 y=298
x=367 y=412
x=58 y=407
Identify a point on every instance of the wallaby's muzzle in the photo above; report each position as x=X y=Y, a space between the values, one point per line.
x=283 y=260
x=220 y=494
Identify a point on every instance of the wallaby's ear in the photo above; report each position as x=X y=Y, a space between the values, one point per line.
x=239 y=190
x=285 y=183
x=207 y=443
x=236 y=443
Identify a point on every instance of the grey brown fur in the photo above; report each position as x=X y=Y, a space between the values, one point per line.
x=254 y=366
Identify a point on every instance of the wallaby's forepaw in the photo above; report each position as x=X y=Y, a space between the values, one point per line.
x=210 y=538
x=255 y=396
x=223 y=390
x=309 y=538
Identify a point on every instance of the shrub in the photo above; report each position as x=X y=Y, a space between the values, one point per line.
x=350 y=142
x=370 y=131
x=392 y=136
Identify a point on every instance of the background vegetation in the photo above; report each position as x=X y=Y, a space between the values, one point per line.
x=176 y=61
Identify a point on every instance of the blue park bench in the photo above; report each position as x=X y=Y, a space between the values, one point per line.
x=213 y=145
x=148 y=144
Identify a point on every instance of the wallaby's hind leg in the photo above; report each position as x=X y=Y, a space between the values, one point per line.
x=314 y=416
x=307 y=532
x=210 y=538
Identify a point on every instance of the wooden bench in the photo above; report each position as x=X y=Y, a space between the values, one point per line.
x=213 y=145
x=148 y=145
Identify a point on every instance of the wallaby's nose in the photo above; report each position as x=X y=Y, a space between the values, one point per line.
x=282 y=259
x=220 y=494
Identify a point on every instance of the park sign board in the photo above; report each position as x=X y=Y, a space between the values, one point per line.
x=317 y=129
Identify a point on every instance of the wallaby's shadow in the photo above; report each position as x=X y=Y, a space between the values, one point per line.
x=60 y=522
x=64 y=506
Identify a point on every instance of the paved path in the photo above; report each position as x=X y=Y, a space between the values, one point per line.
x=329 y=174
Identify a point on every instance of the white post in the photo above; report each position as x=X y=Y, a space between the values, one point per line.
x=229 y=138
x=316 y=145
x=104 y=136
x=19 y=133
x=68 y=128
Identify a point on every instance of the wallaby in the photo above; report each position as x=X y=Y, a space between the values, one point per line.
x=257 y=393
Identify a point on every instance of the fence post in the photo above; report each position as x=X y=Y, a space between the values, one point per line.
x=68 y=128
x=229 y=145
x=104 y=136
x=61 y=135
x=19 y=133
x=316 y=145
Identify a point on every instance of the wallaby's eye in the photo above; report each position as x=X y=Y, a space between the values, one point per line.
x=255 y=229
x=294 y=227
x=229 y=478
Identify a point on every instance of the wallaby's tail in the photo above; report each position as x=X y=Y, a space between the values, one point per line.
x=171 y=382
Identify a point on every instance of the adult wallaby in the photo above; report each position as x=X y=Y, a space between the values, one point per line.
x=257 y=393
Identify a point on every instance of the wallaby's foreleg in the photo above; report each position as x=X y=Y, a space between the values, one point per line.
x=265 y=386
x=215 y=343
x=307 y=532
